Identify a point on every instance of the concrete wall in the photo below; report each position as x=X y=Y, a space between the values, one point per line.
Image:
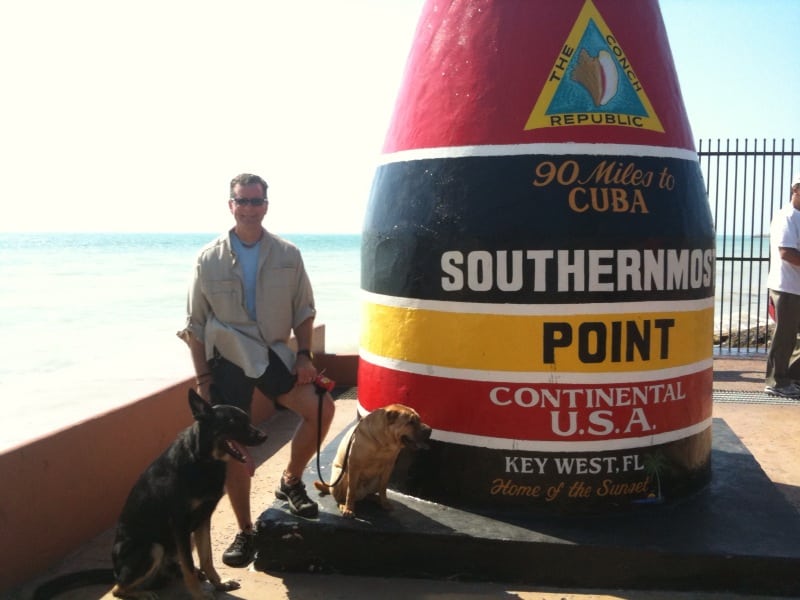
x=63 y=489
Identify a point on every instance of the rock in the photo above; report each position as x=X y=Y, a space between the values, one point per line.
x=743 y=338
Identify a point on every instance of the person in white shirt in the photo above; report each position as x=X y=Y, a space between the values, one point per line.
x=783 y=281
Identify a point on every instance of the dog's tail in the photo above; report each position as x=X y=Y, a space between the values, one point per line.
x=322 y=488
x=70 y=581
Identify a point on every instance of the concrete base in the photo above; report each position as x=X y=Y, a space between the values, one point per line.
x=739 y=535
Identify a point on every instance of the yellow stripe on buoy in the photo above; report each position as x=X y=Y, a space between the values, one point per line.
x=599 y=342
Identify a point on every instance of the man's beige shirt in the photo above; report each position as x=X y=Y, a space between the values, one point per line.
x=216 y=312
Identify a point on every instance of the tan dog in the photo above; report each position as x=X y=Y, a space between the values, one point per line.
x=368 y=458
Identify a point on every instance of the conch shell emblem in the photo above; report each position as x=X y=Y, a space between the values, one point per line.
x=598 y=75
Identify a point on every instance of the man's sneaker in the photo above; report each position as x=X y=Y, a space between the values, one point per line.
x=789 y=390
x=299 y=502
x=242 y=551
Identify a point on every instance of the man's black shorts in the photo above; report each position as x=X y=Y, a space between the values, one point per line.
x=237 y=388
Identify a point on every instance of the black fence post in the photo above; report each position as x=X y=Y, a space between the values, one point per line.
x=746 y=184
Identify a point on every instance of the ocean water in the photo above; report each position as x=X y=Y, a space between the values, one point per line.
x=741 y=282
x=88 y=320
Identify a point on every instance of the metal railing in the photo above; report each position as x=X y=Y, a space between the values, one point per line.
x=746 y=183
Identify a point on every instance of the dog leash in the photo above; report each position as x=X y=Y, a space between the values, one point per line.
x=324 y=384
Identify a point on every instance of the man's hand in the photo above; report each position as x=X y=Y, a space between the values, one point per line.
x=304 y=369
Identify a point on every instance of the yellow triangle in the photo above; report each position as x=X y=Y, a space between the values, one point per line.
x=592 y=82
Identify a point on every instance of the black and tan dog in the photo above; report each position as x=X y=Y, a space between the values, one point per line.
x=367 y=454
x=170 y=505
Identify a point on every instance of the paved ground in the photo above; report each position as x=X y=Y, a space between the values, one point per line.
x=770 y=430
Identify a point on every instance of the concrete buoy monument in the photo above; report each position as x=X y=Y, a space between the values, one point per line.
x=538 y=261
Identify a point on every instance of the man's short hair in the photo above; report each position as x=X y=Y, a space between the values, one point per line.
x=248 y=179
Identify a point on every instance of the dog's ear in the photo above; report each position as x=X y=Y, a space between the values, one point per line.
x=391 y=415
x=200 y=408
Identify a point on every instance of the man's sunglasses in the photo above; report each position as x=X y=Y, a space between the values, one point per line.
x=250 y=201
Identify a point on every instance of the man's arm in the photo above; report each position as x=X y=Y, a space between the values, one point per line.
x=203 y=379
x=197 y=311
x=790 y=255
x=304 y=367
x=304 y=334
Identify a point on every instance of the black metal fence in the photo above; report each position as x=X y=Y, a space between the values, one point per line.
x=746 y=183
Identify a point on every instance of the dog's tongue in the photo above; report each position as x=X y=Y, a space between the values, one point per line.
x=248 y=459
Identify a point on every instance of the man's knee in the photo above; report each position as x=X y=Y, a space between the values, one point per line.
x=306 y=402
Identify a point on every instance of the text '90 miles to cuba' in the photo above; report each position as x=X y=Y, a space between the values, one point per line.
x=611 y=186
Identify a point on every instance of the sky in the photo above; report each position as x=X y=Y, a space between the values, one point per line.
x=134 y=116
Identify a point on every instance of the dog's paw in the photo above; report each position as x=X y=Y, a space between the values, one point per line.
x=227 y=586
x=347 y=511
